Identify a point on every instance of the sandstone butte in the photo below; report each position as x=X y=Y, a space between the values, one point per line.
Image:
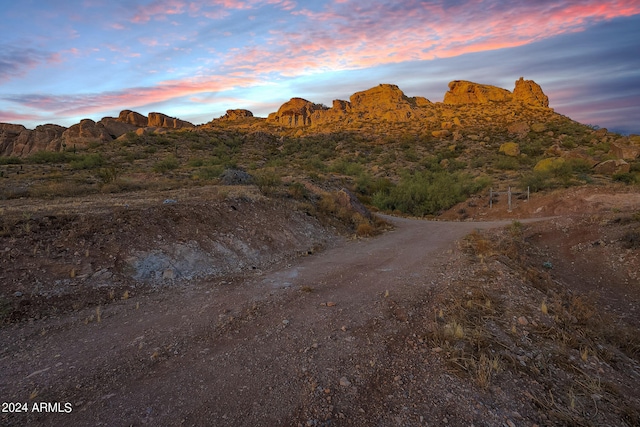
x=387 y=102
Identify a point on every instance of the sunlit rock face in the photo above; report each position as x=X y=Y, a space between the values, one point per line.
x=237 y=114
x=530 y=93
x=295 y=113
x=133 y=118
x=160 y=120
x=464 y=92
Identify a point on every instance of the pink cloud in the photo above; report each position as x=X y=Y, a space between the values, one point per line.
x=359 y=34
x=89 y=104
x=12 y=117
x=159 y=9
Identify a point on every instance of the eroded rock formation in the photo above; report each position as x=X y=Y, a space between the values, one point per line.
x=238 y=114
x=530 y=93
x=465 y=92
x=295 y=112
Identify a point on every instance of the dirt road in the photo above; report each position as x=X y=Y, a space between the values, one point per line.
x=310 y=343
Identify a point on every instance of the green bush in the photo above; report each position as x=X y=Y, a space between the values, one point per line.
x=208 y=173
x=267 y=181
x=626 y=177
x=10 y=161
x=427 y=193
x=536 y=181
x=88 y=161
x=506 y=163
x=346 y=167
x=166 y=164
x=42 y=157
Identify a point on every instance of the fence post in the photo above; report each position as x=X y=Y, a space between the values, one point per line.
x=490 y=198
x=528 y=194
x=509 y=193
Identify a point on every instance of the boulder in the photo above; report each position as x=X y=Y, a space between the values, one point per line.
x=465 y=92
x=519 y=128
x=441 y=133
x=133 y=118
x=116 y=128
x=85 y=132
x=238 y=114
x=163 y=121
x=611 y=167
x=530 y=93
x=623 y=150
x=235 y=177
x=511 y=149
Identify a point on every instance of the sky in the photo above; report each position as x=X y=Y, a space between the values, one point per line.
x=65 y=60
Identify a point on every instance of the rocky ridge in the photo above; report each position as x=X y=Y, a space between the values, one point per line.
x=474 y=114
x=18 y=141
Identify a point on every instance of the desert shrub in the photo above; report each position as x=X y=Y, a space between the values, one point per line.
x=626 y=177
x=208 y=173
x=196 y=163
x=506 y=163
x=267 y=181
x=346 y=167
x=10 y=161
x=108 y=175
x=368 y=185
x=166 y=164
x=536 y=181
x=42 y=157
x=364 y=229
x=297 y=190
x=88 y=161
x=426 y=192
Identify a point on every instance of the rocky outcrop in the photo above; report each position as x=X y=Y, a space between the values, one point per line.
x=163 y=121
x=465 y=92
x=530 y=93
x=116 y=128
x=383 y=102
x=16 y=140
x=527 y=92
x=157 y=120
x=611 y=167
x=622 y=149
x=238 y=114
x=296 y=112
x=133 y=118
x=85 y=132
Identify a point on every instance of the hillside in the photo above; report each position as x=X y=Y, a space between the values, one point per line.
x=394 y=151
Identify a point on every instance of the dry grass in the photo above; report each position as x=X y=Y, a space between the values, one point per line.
x=575 y=357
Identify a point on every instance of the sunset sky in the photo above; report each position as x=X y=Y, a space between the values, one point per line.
x=64 y=60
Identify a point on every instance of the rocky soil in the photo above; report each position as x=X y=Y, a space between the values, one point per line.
x=433 y=323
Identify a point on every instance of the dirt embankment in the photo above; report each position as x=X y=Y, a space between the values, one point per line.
x=69 y=255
